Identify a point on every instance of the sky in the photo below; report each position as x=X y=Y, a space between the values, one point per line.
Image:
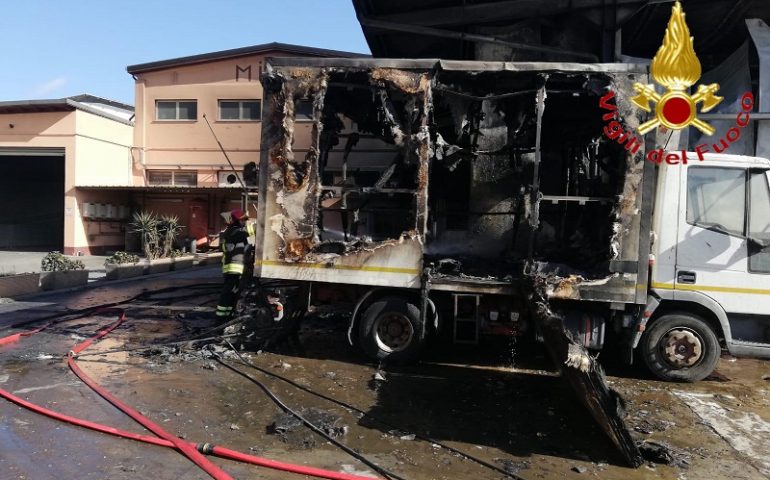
x=60 y=48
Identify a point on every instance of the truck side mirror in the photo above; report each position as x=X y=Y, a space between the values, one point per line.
x=758 y=242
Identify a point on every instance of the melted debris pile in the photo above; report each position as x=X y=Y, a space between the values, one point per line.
x=292 y=431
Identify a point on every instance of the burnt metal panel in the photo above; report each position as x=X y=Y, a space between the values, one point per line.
x=403 y=114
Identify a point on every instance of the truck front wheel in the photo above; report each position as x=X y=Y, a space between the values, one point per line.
x=390 y=330
x=680 y=347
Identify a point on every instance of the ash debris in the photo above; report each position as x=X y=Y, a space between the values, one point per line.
x=663 y=453
x=293 y=432
x=162 y=356
x=513 y=467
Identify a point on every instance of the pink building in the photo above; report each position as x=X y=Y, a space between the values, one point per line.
x=48 y=150
x=82 y=165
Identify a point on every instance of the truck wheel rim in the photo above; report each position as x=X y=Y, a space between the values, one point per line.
x=682 y=347
x=393 y=332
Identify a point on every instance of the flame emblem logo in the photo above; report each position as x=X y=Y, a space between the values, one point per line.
x=676 y=67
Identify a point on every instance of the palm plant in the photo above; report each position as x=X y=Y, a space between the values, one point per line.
x=146 y=224
x=168 y=229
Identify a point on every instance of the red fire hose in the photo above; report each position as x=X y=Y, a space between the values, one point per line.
x=206 y=448
x=17 y=336
x=190 y=450
x=195 y=456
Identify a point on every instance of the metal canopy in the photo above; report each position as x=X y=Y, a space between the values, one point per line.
x=160 y=189
x=554 y=30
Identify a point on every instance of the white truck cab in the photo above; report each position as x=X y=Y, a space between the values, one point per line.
x=711 y=265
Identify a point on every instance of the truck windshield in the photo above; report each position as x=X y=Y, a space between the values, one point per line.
x=716 y=198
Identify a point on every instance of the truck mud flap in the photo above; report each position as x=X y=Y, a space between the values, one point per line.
x=587 y=378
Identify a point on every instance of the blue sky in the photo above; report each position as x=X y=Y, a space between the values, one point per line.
x=58 y=48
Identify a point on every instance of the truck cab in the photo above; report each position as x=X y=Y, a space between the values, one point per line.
x=710 y=265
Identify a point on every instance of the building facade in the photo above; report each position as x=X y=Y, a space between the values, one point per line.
x=185 y=108
x=48 y=149
x=74 y=170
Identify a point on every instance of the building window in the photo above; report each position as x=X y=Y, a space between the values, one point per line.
x=183 y=110
x=243 y=110
x=303 y=110
x=173 y=178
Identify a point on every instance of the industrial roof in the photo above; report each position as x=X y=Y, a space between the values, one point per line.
x=553 y=30
x=241 y=52
x=110 y=109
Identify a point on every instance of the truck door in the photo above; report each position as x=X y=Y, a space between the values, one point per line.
x=723 y=233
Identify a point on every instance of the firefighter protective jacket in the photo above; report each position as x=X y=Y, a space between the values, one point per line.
x=234 y=242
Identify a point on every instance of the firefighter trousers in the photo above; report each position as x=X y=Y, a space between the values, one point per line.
x=229 y=295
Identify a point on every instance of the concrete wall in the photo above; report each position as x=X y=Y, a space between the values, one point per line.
x=103 y=157
x=103 y=148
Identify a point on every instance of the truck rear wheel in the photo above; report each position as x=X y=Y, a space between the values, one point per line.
x=680 y=347
x=390 y=330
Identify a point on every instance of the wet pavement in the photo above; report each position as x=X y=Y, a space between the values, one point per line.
x=499 y=402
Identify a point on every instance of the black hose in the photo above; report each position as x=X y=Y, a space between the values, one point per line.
x=83 y=312
x=375 y=419
x=71 y=315
x=152 y=345
x=385 y=473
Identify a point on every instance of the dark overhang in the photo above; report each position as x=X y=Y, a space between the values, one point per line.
x=552 y=30
x=241 y=52
x=162 y=189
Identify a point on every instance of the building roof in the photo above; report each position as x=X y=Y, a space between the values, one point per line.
x=241 y=52
x=526 y=30
x=110 y=109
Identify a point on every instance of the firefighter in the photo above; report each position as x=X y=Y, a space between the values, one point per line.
x=234 y=242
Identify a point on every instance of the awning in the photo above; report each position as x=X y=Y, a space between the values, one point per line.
x=163 y=189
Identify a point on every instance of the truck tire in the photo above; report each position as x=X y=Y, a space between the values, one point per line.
x=390 y=331
x=680 y=347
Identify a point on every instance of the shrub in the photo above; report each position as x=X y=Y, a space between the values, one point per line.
x=168 y=229
x=56 y=262
x=121 y=258
x=176 y=253
x=146 y=224
x=158 y=234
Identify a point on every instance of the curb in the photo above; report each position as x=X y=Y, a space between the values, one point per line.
x=101 y=283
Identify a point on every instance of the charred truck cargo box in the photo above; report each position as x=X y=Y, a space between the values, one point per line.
x=484 y=196
x=469 y=176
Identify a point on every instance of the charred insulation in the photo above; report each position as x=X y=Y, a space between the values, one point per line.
x=517 y=168
x=485 y=133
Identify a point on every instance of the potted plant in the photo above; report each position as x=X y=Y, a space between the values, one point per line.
x=182 y=259
x=123 y=265
x=60 y=272
x=158 y=236
x=13 y=284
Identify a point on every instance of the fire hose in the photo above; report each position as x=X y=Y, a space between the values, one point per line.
x=194 y=452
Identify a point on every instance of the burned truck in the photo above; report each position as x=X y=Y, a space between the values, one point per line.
x=434 y=195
